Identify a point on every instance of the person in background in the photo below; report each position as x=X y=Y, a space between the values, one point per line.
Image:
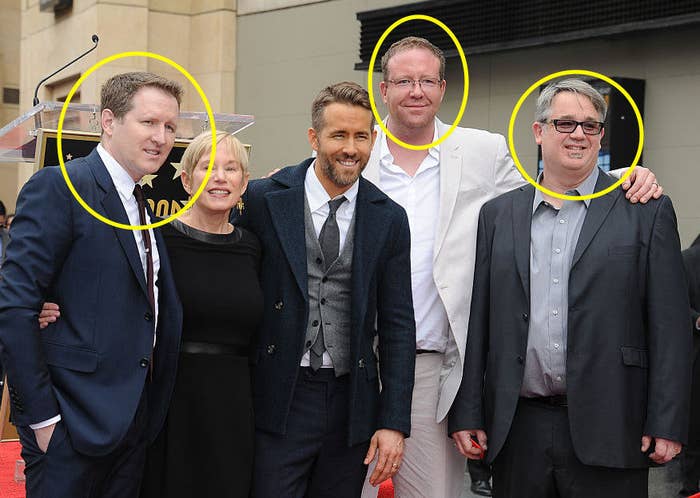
x=8 y=220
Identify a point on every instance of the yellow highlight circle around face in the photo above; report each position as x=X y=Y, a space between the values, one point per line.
x=465 y=69
x=569 y=72
x=59 y=144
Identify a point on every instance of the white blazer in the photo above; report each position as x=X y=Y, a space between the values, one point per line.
x=475 y=166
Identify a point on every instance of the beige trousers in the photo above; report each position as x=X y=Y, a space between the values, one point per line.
x=432 y=467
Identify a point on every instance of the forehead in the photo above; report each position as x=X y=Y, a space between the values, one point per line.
x=148 y=99
x=346 y=117
x=570 y=104
x=224 y=153
x=414 y=60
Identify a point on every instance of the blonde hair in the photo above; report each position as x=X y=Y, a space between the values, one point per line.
x=202 y=145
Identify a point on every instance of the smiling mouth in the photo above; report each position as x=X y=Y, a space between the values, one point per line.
x=216 y=191
x=575 y=151
x=347 y=163
x=151 y=152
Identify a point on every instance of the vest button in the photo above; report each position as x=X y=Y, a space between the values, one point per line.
x=308 y=344
x=525 y=317
x=323 y=300
x=271 y=349
x=319 y=261
x=324 y=279
x=279 y=305
x=314 y=323
x=521 y=360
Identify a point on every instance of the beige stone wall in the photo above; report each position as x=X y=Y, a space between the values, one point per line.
x=9 y=77
x=199 y=35
x=316 y=44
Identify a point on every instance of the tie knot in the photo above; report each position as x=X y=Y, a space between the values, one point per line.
x=334 y=204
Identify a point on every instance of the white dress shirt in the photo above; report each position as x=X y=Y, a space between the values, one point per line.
x=317 y=198
x=419 y=195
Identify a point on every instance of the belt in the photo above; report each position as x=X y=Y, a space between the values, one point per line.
x=211 y=348
x=423 y=351
x=557 y=400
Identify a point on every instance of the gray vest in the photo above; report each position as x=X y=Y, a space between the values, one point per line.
x=329 y=296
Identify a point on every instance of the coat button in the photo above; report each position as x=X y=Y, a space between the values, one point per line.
x=324 y=279
x=279 y=305
x=148 y=316
x=271 y=349
x=521 y=360
x=319 y=261
x=525 y=317
x=361 y=363
x=308 y=344
x=323 y=300
x=144 y=362
x=314 y=323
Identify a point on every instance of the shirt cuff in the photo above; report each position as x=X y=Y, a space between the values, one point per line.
x=45 y=423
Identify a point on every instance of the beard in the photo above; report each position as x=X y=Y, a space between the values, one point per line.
x=340 y=177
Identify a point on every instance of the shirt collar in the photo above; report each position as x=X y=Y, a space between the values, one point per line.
x=586 y=187
x=387 y=160
x=122 y=181
x=317 y=196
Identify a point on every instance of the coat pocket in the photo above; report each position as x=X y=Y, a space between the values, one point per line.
x=635 y=357
x=70 y=357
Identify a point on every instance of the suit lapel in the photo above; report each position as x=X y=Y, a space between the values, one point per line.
x=595 y=215
x=371 y=171
x=522 y=220
x=450 y=178
x=287 y=213
x=114 y=210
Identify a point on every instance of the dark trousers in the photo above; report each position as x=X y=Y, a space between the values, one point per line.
x=478 y=470
x=538 y=461
x=62 y=472
x=312 y=459
x=690 y=458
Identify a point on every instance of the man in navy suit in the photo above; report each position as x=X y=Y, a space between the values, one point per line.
x=90 y=390
x=336 y=280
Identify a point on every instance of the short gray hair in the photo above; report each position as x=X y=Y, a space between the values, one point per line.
x=573 y=85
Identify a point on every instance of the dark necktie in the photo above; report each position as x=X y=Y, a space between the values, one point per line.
x=138 y=193
x=329 y=239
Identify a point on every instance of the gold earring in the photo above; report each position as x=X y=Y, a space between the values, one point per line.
x=240 y=205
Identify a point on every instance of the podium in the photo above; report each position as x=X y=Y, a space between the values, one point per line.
x=32 y=138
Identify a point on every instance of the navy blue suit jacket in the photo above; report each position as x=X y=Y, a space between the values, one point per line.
x=381 y=305
x=88 y=366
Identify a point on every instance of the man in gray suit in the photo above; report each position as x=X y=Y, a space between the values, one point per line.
x=441 y=189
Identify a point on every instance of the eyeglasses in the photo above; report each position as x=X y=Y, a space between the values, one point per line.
x=569 y=126
x=424 y=83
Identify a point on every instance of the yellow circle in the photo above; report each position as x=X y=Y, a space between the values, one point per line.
x=59 y=144
x=465 y=69
x=558 y=74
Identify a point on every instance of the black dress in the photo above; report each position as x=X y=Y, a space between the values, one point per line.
x=206 y=446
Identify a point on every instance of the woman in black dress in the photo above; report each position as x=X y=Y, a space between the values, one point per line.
x=206 y=446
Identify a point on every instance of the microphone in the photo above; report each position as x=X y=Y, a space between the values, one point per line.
x=95 y=40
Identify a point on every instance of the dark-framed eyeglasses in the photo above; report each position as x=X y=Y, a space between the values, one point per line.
x=424 y=83
x=569 y=126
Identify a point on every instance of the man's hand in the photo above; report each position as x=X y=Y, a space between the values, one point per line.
x=49 y=314
x=43 y=436
x=664 y=450
x=463 y=441
x=388 y=446
x=642 y=186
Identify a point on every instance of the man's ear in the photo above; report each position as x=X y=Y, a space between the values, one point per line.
x=537 y=130
x=313 y=139
x=107 y=120
x=382 y=90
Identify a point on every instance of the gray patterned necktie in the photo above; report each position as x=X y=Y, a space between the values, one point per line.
x=329 y=239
